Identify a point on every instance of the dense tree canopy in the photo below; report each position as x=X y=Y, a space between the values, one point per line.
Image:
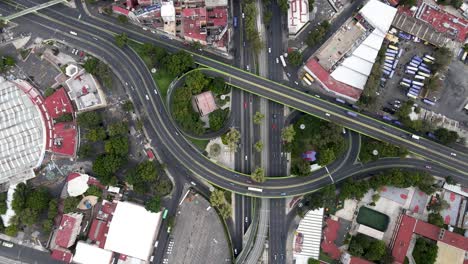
x=96 y=134
x=295 y=58
x=425 y=251
x=446 y=136
x=105 y=166
x=117 y=129
x=89 y=119
x=317 y=35
x=218 y=118
x=367 y=247
x=258 y=175
x=154 y=205
x=178 y=63
x=142 y=176
x=384 y=149
x=436 y=219
x=121 y=40
x=196 y=81
x=118 y=145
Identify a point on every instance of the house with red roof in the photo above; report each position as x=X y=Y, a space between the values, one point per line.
x=68 y=230
x=62 y=254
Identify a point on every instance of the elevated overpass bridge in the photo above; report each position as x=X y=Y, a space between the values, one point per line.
x=31 y=9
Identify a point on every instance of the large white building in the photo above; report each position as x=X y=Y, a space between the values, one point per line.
x=22 y=134
x=298 y=15
x=308 y=237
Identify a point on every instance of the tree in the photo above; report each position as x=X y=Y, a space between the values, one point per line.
x=128 y=106
x=217 y=198
x=326 y=157
x=154 y=205
x=105 y=165
x=375 y=197
x=232 y=138
x=178 y=63
x=90 y=65
x=218 y=86
x=70 y=204
x=196 y=81
x=295 y=58
x=28 y=216
x=49 y=91
x=118 y=129
x=267 y=16
x=408 y=3
x=96 y=134
x=258 y=146
x=217 y=119
x=258 y=117
x=446 y=136
x=225 y=211
x=122 y=19
x=38 y=199
x=317 y=34
x=313 y=261
x=20 y=197
x=433 y=83
x=449 y=179
x=121 y=40
x=11 y=230
x=147 y=171
x=283 y=5
x=301 y=168
x=68 y=117
x=163 y=187
x=3 y=203
x=442 y=56
x=288 y=133
x=215 y=150
x=89 y=119
x=376 y=250
x=436 y=219
x=53 y=209
x=117 y=146
x=94 y=190
x=85 y=151
x=424 y=252
x=47 y=225
x=258 y=175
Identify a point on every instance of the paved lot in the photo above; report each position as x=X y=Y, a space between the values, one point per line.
x=418 y=202
x=198 y=236
x=397 y=195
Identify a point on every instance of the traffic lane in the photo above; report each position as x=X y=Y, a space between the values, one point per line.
x=247 y=212
x=27 y=255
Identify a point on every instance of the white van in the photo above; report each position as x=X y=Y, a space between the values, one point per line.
x=415 y=137
x=73 y=33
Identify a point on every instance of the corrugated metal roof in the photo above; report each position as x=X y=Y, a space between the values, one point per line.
x=311 y=228
x=350 y=77
x=379 y=15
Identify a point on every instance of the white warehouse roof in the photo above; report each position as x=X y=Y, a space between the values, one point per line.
x=22 y=133
x=91 y=254
x=355 y=69
x=311 y=228
x=132 y=230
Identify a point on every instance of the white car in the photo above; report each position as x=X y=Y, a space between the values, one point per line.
x=145 y=28
x=277 y=60
x=453 y=154
x=243 y=15
x=327 y=114
x=7 y=244
x=193 y=183
x=147 y=97
x=296 y=82
x=156 y=92
x=269 y=50
x=245 y=157
x=248 y=67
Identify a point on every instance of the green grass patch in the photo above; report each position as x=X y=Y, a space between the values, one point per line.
x=200 y=143
x=372 y=218
x=163 y=80
x=384 y=149
x=228 y=196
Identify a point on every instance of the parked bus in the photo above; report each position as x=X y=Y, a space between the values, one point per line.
x=339 y=100
x=427 y=101
x=411 y=68
x=388 y=64
x=410 y=95
x=412 y=64
x=389 y=58
x=353 y=114
x=391 y=51
x=165 y=214
x=234 y=21
x=410 y=72
x=405 y=84
x=416 y=61
x=391 y=74
x=386 y=72
x=400 y=53
x=309 y=77
x=427 y=60
x=393 y=47
x=282 y=61
x=404 y=35
x=388 y=68
x=429 y=57
x=422 y=78
x=417 y=58
x=424 y=69
x=424 y=65
x=415 y=87
x=413 y=91
x=255 y=189
x=424 y=74
x=418 y=83
x=406 y=80
x=388 y=61
x=306 y=80
x=396 y=63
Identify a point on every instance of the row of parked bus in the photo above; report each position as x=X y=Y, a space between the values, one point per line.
x=418 y=68
x=392 y=55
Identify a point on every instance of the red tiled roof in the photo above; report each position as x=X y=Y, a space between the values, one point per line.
x=450 y=238
x=66 y=233
x=206 y=103
x=217 y=17
x=193 y=20
x=330 y=233
x=66 y=134
x=403 y=238
x=356 y=260
x=72 y=176
x=58 y=103
x=199 y=12
x=437 y=18
x=106 y=210
x=98 y=232
x=62 y=255
x=95 y=182
x=330 y=83
x=120 y=10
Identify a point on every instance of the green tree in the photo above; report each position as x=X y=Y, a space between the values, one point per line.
x=89 y=119
x=217 y=119
x=442 y=56
x=118 y=129
x=28 y=216
x=47 y=225
x=258 y=146
x=3 y=203
x=147 y=171
x=118 y=146
x=196 y=81
x=154 y=205
x=178 y=63
x=317 y=34
x=38 y=199
x=49 y=91
x=225 y=210
x=295 y=58
x=313 y=261
x=267 y=16
x=20 y=197
x=96 y=134
x=121 y=40
x=91 y=65
x=53 y=209
x=425 y=252
x=11 y=230
x=408 y=3
x=446 y=136
x=68 y=117
x=376 y=250
x=258 y=117
x=86 y=150
x=288 y=133
x=217 y=198
x=232 y=138
x=122 y=19
x=94 y=190
x=436 y=219
x=258 y=175
x=301 y=168
x=104 y=166
x=163 y=187
x=128 y=106
x=326 y=157
x=433 y=83
x=70 y=204
x=283 y=5
x=215 y=150
x=218 y=86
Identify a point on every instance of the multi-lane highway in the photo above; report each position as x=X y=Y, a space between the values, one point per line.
x=97 y=37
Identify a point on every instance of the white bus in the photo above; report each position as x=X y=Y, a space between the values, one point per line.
x=418 y=83
x=306 y=80
x=283 y=61
x=411 y=68
x=404 y=84
x=422 y=78
x=254 y=189
x=424 y=74
x=429 y=57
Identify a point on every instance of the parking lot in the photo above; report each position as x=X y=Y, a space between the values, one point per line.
x=198 y=235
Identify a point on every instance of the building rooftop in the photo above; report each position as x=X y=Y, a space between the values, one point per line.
x=215 y=3
x=132 y=230
x=58 y=103
x=68 y=230
x=298 y=15
x=22 y=132
x=449 y=254
x=98 y=232
x=62 y=254
x=84 y=251
x=77 y=184
x=205 y=103
x=85 y=91
x=311 y=229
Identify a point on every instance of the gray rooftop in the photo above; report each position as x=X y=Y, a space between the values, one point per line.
x=22 y=134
